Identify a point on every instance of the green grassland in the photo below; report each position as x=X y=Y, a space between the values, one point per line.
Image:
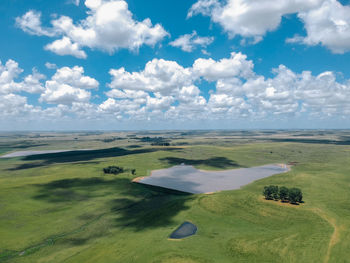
x=62 y=208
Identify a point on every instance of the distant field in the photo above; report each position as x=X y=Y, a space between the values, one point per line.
x=62 y=208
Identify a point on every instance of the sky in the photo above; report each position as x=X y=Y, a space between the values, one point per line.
x=184 y=64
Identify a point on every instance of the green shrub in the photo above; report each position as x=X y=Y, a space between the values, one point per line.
x=284 y=194
x=295 y=195
x=113 y=170
x=271 y=192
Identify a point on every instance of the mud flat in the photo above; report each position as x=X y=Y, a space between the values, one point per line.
x=187 y=178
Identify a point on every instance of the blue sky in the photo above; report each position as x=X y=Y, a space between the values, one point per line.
x=201 y=64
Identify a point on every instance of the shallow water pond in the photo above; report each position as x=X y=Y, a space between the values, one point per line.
x=187 y=178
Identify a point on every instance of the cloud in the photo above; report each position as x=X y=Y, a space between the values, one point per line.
x=222 y=104
x=211 y=70
x=328 y=25
x=50 y=65
x=189 y=42
x=327 y=22
x=250 y=18
x=32 y=83
x=12 y=104
x=119 y=108
x=68 y=85
x=60 y=93
x=109 y=26
x=75 y=77
x=8 y=73
x=159 y=102
x=67 y=88
x=64 y=47
x=159 y=75
x=155 y=90
x=127 y=94
x=11 y=71
x=30 y=23
x=165 y=91
x=204 y=7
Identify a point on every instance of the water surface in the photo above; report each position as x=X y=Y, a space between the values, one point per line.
x=187 y=178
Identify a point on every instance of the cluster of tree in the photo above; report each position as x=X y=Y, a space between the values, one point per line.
x=113 y=170
x=292 y=195
x=117 y=170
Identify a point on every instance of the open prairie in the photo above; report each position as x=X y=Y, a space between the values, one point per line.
x=61 y=207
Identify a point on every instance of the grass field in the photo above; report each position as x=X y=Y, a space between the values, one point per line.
x=62 y=208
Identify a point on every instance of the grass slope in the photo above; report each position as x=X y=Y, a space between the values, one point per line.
x=61 y=208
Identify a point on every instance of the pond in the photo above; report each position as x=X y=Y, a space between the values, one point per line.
x=187 y=178
x=185 y=230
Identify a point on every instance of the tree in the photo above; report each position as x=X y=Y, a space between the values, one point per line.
x=300 y=196
x=283 y=193
x=275 y=193
x=133 y=171
x=267 y=193
x=295 y=195
x=271 y=192
x=113 y=170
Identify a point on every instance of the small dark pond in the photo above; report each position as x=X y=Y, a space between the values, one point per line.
x=185 y=230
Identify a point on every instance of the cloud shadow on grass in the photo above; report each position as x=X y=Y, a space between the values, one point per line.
x=80 y=156
x=136 y=206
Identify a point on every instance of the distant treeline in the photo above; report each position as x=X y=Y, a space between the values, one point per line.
x=160 y=143
x=112 y=139
x=155 y=141
x=152 y=139
x=291 y=195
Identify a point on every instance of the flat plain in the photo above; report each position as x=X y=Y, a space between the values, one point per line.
x=61 y=207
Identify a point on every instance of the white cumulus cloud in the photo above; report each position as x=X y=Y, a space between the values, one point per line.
x=109 y=26
x=327 y=25
x=167 y=91
x=235 y=66
x=250 y=18
x=159 y=75
x=30 y=23
x=11 y=71
x=189 y=42
x=68 y=85
x=64 y=47
x=327 y=22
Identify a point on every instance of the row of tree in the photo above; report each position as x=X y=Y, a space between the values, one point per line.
x=113 y=170
x=117 y=170
x=292 y=195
